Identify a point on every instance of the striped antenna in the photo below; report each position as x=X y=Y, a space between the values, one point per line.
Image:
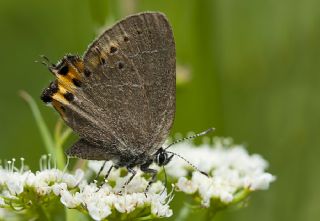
x=191 y=164
x=191 y=137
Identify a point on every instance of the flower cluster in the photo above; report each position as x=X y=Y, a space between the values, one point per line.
x=232 y=171
x=75 y=192
x=233 y=175
x=102 y=201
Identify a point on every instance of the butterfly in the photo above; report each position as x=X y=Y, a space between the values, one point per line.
x=120 y=96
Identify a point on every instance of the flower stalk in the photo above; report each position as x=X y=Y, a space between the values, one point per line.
x=53 y=146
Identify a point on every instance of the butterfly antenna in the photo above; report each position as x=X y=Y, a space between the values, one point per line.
x=191 y=137
x=196 y=168
x=45 y=61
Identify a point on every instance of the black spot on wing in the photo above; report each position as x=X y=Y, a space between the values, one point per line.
x=102 y=61
x=113 y=49
x=76 y=82
x=68 y=96
x=87 y=73
x=63 y=70
x=47 y=93
x=120 y=65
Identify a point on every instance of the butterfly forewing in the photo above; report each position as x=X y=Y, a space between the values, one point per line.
x=130 y=83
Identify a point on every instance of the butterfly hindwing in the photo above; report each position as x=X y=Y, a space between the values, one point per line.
x=85 y=149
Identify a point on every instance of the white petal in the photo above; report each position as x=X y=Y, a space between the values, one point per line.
x=68 y=200
x=186 y=185
x=98 y=211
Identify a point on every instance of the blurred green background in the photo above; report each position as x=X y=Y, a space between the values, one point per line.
x=249 y=68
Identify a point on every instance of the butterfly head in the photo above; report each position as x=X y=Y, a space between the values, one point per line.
x=162 y=157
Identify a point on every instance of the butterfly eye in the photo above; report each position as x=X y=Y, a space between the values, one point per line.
x=162 y=158
x=125 y=38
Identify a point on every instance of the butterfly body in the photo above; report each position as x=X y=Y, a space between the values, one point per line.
x=120 y=96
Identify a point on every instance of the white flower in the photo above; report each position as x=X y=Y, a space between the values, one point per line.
x=231 y=171
x=160 y=205
x=68 y=199
x=186 y=185
x=127 y=204
x=7 y=194
x=161 y=210
x=15 y=183
x=261 y=182
x=98 y=210
x=157 y=187
x=58 y=187
x=30 y=178
x=73 y=180
x=138 y=184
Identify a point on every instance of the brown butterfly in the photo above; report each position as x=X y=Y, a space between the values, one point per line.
x=120 y=96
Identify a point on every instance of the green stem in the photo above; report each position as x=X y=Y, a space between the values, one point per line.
x=211 y=213
x=43 y=214
x=53 y=146
x=60 y=138
x=44 y=131
x=64 y=136
x=183 y=213
x=240 y=196
x=58 y=145
x=72 y=214
x=57 y=130
x=217 y=206
x=150 y=217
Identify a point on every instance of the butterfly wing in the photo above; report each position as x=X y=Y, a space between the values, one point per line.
x=130 y=79
x=120 y=98
x=86 y=149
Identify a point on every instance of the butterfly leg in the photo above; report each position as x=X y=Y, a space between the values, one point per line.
x=133 y=173
x=146 y=169
x=108 y=173
x=101 y=168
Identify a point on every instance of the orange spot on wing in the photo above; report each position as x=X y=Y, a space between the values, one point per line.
x=58 y=97
x=67 y=81
x=80 y=66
